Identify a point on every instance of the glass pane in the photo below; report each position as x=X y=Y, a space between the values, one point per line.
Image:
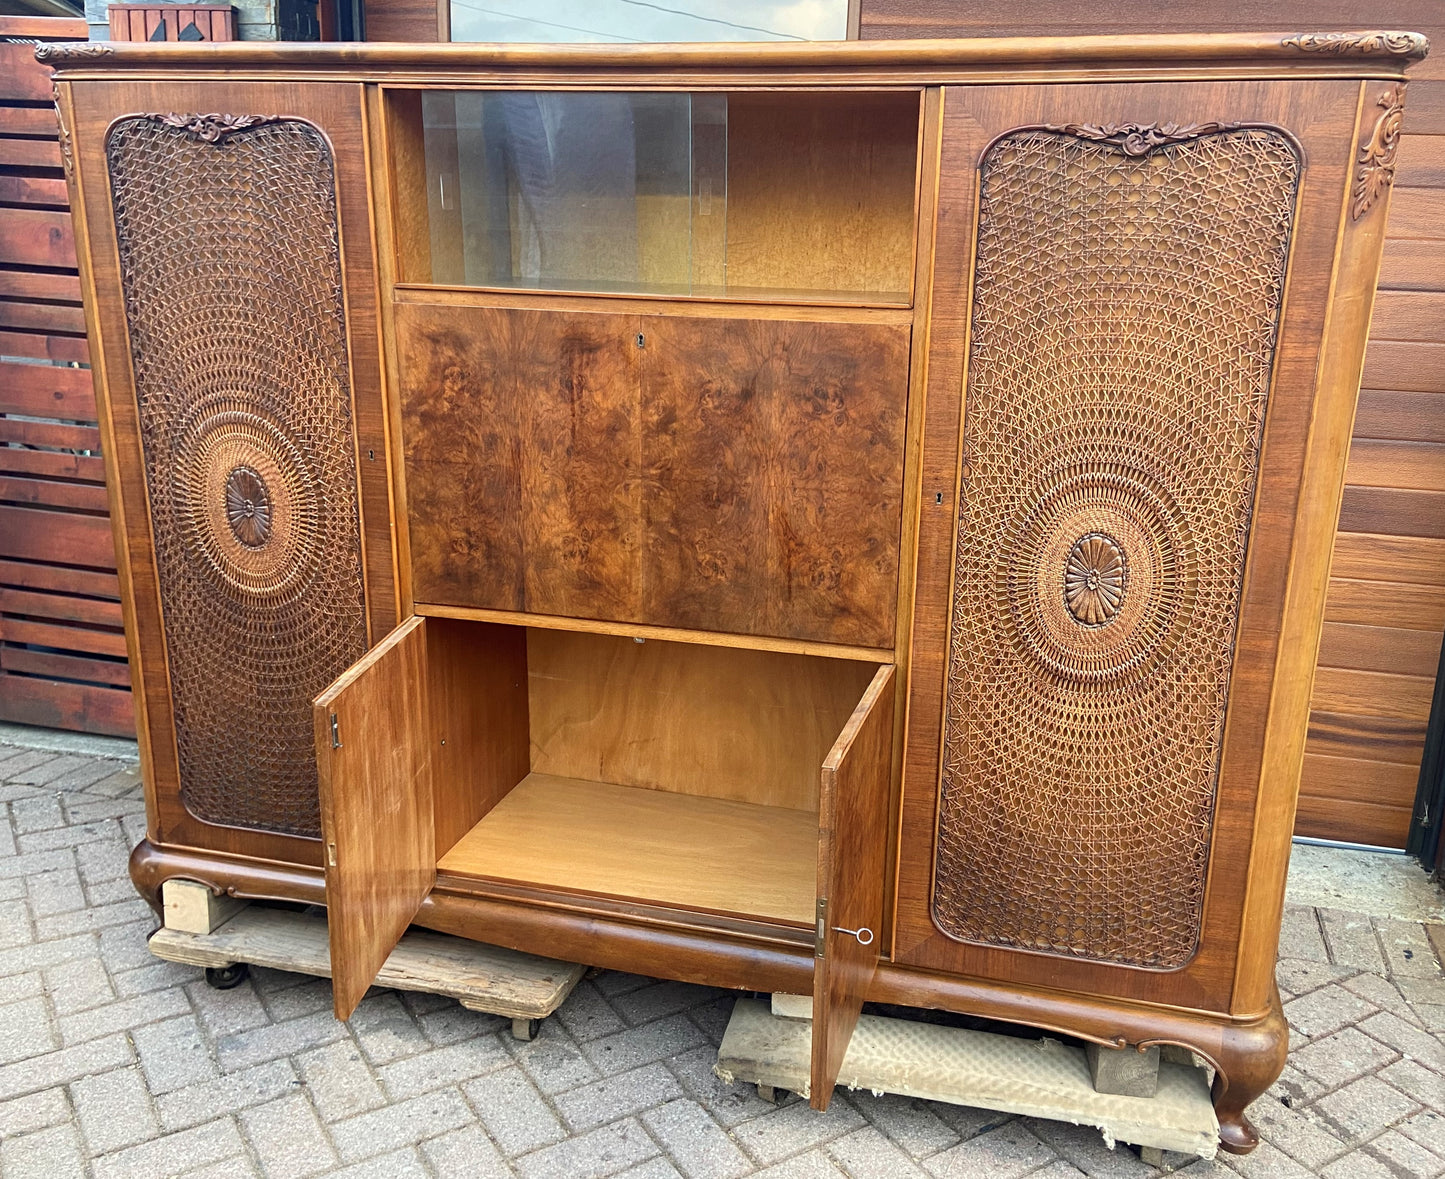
x=633 y=20
x=574 y=191
x=742 y=195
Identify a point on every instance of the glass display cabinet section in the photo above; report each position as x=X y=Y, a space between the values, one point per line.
x=705 y=195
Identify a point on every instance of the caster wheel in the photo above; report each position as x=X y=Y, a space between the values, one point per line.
x=526 y=1029
x=223 y=978
x=768 y=1093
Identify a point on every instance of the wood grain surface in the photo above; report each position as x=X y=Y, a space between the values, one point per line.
x=852 y=856
x=722 y=474
x=750 y=726
x=375 y=771
x=650 y=845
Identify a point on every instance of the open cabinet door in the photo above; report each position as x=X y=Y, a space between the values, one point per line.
x=373 y=752
x=852 y=850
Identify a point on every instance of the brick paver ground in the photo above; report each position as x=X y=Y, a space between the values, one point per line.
x=118 y=1066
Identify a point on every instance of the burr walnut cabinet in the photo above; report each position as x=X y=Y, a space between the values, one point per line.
x=838 y=519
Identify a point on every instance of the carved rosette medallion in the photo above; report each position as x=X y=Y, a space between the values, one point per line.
x=1375 y=170
x=1094 y=579
x=248 y=507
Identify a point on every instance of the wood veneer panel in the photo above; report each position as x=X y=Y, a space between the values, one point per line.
x=1417 y=607
x=1352 y=779
x=1380 y=648
x=739 y=475
x=1393 y=510
x=776 y=451
x=478 y=692
x=1402 y=414
x=821 y=190
x=1372 y=693
x=1378 y=462
x=375 y=770
x=669 y=716
x=652 y=845
x=852 y=853
x=1352 y=820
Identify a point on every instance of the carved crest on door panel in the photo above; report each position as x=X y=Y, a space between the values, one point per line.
x=1127 y=290
x=1376 y=161
x=214 y=128
x=1139 y=139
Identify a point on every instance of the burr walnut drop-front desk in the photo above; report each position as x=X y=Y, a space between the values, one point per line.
x=833 y=519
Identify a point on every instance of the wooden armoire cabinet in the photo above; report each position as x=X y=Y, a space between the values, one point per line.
x=835 y=519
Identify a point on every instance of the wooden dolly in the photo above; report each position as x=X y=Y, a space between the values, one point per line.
x=1012 y=1074
x=225 y=935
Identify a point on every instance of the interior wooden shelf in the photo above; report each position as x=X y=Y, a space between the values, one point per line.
x=650 y=845
x=771 y=296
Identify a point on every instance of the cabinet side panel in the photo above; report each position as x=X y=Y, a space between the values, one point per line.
x=230 y=263
x=1127 y=296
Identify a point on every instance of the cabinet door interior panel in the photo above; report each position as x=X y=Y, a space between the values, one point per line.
x=852 y=855
x=373 y=737
x=717 y=474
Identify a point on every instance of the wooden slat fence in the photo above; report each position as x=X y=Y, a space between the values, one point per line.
x=62 y=647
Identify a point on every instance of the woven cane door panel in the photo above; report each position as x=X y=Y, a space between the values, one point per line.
x=229 y=255
x=1126 y=301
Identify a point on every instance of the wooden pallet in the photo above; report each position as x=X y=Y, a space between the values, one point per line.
x=62 y=646
x=520 y=987
x=1033 y=1077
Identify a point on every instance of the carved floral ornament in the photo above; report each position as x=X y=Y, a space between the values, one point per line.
x=213 y=128
x=59 y=52
x=1396 y=44
x=1376 y=161
x=67 y=154
x=1094 y=579
x=248 y=507
x=1139 y=139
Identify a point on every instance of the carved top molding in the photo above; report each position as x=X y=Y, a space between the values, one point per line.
x=1348 y=53
x=1139 y=139
x=213 y=128
x=61 y=52
x=1411 y=46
